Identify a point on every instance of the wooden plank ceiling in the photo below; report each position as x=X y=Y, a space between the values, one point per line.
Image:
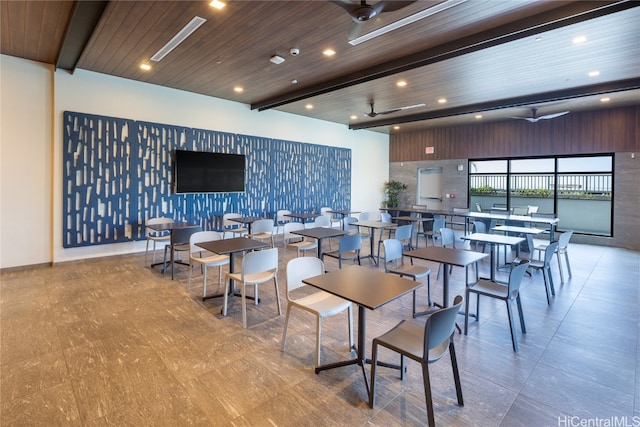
x=497 y=58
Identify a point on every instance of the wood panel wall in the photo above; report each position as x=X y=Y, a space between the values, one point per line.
x=601 y=131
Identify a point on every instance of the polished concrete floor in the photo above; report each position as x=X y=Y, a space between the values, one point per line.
x=115 y=342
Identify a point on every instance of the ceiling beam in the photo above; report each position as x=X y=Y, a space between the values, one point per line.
x=571 y=13
x=540 y=98
x=84 y=18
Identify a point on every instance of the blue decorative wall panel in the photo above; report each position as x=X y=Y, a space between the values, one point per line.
x=117 y=174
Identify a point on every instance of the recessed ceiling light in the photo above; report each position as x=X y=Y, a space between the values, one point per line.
x=538 y=39
x=217 y=4
x=605 y=99
x=328 y=52
x=594 y=73
x=401 y=83
x=396 y=127
x=442 y=101
x=478 y=116
x=238 y=89
x=579 y=39
x=309 y=106
x=294 y=81
x=145 y=67
x=353 y=117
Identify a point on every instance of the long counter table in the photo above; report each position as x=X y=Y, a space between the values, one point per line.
x=548 y=220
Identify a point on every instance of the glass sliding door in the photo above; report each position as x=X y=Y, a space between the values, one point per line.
x=577 y=189
x=488 y=185
x=584 y=192
x=531 y=184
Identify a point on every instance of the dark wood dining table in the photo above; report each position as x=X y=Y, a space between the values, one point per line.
x=170 y=226
x=246 y=220
x=370 y=289
x=373 y=226
x=495 y=240
x=303 y=216
x=447 y=257
x=320 y=233
x=343 y=213
x=230 y=247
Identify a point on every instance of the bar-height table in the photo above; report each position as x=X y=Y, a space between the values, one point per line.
x=230 y=247
x=373 y=226
x=494 y=240
x=246 y=220
x=448 y=257
x=370 y=289
x=320 y=233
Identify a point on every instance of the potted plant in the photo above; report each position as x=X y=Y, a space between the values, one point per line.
x=393 y=190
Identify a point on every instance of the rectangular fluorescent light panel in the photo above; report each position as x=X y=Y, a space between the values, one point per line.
x=406 y=21
x=185 y=32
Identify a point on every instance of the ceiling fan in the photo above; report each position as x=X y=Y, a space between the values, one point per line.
x=534 y=116
x=373 y=113
x=361 y=13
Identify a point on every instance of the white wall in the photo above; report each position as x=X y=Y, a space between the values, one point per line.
x=94 y=93
x=25 y=162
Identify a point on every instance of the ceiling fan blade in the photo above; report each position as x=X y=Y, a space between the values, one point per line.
x=355 y=28
x=395 y=110
x=347 y=5
x=553 y=116
x=390 y=6
x=529 y=119
x=407 y=107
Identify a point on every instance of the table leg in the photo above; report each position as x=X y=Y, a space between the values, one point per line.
x=445 y=285
x=372 y=235
x=493 y=262
x=319 y=248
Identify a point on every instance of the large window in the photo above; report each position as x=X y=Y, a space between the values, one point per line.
x=579 y=190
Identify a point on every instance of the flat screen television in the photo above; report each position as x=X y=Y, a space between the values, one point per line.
x=204 y=172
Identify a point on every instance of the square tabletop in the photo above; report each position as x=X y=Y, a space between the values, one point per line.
x=245 y=219
x=494 y=239
x=364 y=286
x=342 y=212
x=412 y=218
x=515 y=229
x=171 y=226
x=451 y=256
x=374 y=224
x=320 y=232
x=229 y=246
x=303 y=215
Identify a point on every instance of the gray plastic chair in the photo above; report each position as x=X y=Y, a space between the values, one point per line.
x=563 y=249
x=199 y=256
x=545 y=267
x=424 y=344
x=348 y=249
x=262 y=229
x=321 y=304
x=156 y=236
x=448 y=240
x=507 y=293
x=179 y=243
x=394 y=264
x=257 y=267
x=297 y=241
x=438 y=223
